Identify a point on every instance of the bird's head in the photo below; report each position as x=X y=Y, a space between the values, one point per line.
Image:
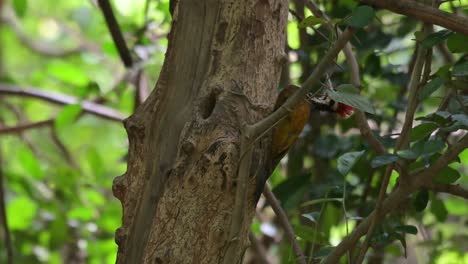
x=325 y=103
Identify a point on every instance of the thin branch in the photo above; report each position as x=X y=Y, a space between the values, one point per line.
x=3 y=216
x=428 y=174
x=22 y=127
x=116 y=33
x=36 y=46
x=378 y=209
x=424 y=13
x=403 y=140
x=63 y=149
x=283 y=219
x=390 y=203
x=261 y=255
x=306 y=87
x=353 y=65
x=399 y=195
x=413 y=88
x=61 y=99
x=453 y=189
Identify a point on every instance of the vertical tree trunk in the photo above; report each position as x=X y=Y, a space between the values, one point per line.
x=221 y=71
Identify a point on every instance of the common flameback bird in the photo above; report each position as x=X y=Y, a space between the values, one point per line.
x=288 y=129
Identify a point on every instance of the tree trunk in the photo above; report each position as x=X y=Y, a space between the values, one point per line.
x=221 y=71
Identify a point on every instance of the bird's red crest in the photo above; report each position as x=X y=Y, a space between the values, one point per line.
x=344 y=110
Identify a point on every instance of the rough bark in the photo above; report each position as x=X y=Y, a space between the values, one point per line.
x=221 y=71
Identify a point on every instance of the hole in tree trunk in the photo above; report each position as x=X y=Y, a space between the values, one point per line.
x=208 y=105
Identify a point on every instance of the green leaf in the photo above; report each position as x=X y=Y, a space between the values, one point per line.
x=460 y=69
x=430 y=87
x=311 y=21
x=439 y=117
x=461 y=118
x=407 y=229
x=444 y=71
x=383 y=160
x=436 y=38
x=81 y=213
x=20 y=7
x=438 y=209
x=361 y=17
x=348 y=88
x=422 y=131
x=314 y=216
x=21 y=212
x=347 y=161
x=407 y=154
x=30 y=164
x=420 y=200
x=323 y=252
x=433 y=146
x=67 y=116
x=457 y=43
x=68 y=73
x=447 y=175
x=309 y=234
x=352 y=99
x=402 y=240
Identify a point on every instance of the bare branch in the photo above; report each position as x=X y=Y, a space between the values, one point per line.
x=259 y=249
x=39 y=47
x=424 y=13
x=390 y=203
x=353 y=65
x=61 y=99
x=116 y=33
x=268 y=122
x=283 y=219
x=20 y=128
x=428 y=174
x=453 y=189
x=398 y=196
x=3 y=216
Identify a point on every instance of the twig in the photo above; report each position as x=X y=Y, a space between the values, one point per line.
x=453 y=189
x=116 y=33
x=3 y=216
x=353 y=65
x=60 y=145
x=22 y=127
x=398 y=196
x=306 y=87
x=403 y=140
x=377 y=210
x=413 y=88
x=250 y=132
x=34 y=45
x=423 y=12
x=428 y=174
x=61 y=99
x=261 y=255
x=283 y=219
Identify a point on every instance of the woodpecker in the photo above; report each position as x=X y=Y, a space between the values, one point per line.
x=288 y=129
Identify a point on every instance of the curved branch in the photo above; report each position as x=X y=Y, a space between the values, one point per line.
x=396 y=198
x=283 y=219
x=353 y=65
x=34 y=45
x=20 y=128
x=62 y=99
x=116 y=33
x=453 y=189
x=268 y=122
x=424 y=13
